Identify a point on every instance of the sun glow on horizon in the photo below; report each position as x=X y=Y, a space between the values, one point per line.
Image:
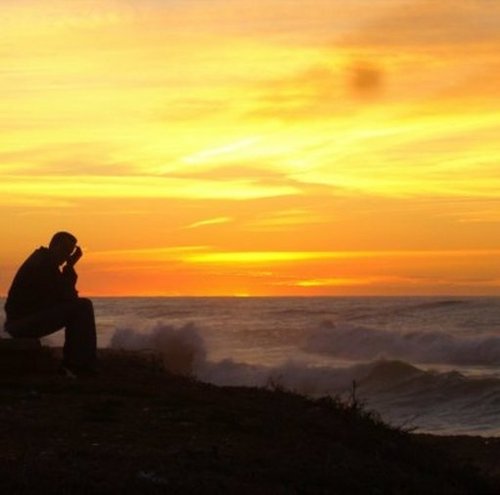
x=255 y=148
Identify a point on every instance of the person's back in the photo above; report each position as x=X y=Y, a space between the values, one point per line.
x=43 y=299
x=38 y=284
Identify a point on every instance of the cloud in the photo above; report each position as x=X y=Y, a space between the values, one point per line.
x=149 y=255
x=242 y=171
x=64 y=158
x=424 y=23
x=350 y=281
x=38 y=14
x=287 y=219
x=321 y=91
x=263 y=257
x=29 y=204
x=477 y=216
x=271 y=176
x=86 y=186
x=219 y=152
x=209 y=221
x=307 y=94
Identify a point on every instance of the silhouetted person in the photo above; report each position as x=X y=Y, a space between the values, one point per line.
x=43 y=299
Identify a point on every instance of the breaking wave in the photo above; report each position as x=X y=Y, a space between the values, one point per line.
x=182 y=349
x=401 y=392
x=363 y=343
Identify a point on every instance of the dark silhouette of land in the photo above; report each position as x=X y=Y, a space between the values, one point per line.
x=138 y=429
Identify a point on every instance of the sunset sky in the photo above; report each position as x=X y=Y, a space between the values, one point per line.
x=254 y=147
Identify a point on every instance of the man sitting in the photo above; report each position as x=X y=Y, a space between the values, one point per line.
x=43 y=299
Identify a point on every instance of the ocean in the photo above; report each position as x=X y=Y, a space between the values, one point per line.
x=429 y=364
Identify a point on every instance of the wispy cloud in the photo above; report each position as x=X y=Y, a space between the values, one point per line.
x=477 y=216
x=287 y=219
x=228 y=149
x=351 y=281
x=139 y=187
x=209 y=221
x=30 y=204
x=243 y=257
x=394 y=281
x=426 y=23
x=149 y=254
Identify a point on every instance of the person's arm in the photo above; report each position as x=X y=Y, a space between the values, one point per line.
x=75 y=256
x=69 y=275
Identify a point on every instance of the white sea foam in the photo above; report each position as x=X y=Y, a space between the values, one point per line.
x=344 y=340
x=181 y=349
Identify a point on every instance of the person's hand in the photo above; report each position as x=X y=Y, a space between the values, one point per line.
x=75 y=256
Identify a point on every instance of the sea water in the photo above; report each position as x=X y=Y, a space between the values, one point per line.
x=426 y=363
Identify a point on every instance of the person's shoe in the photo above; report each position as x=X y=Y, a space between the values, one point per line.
x=74 y=372
x=67 y=372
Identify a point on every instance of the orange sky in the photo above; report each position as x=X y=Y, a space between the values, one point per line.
x=220 y=147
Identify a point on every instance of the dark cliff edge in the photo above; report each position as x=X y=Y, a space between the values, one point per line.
x=135 y=428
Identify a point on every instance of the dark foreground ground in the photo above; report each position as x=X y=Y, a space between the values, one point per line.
x=138 y=429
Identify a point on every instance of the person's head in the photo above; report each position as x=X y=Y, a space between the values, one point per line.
x=62 y=245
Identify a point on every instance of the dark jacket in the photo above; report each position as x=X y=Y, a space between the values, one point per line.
x=39 y=284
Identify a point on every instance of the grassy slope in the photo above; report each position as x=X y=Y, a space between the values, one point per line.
x=136 y=429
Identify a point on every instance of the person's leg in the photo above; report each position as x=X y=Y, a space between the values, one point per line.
x=77 y=317
x=38 y=324
x=80 y=342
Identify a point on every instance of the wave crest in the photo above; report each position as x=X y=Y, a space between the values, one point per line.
x=362 y=343
x=182 y=349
